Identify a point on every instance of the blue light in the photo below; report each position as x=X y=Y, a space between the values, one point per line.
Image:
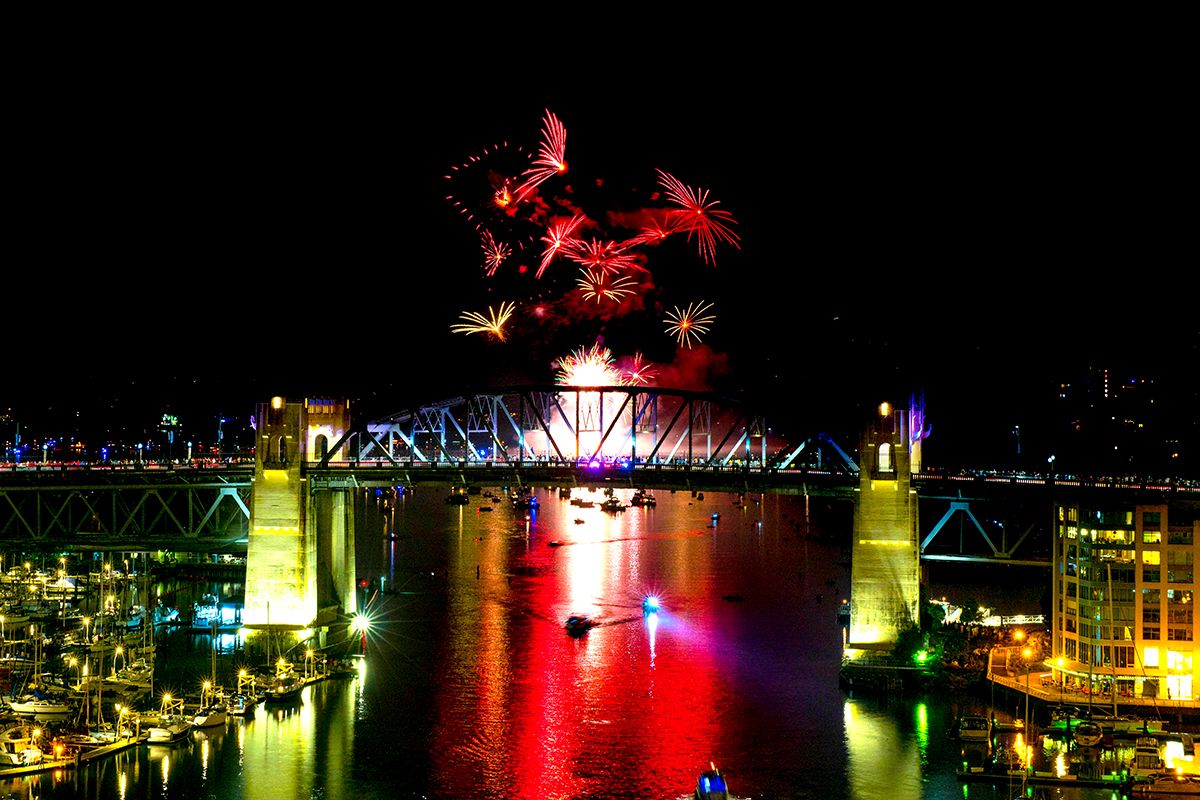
x=650 y=603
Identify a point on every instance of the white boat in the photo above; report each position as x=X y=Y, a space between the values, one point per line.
x=210 y=715
x=18 y=746
x=1147 y=757
x=1167 y=786
x=39 y=705
x=171 y=724
x=1088 y=733
x=973 y=727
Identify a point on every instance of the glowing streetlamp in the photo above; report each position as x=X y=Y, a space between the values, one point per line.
x=74 y=662
x=87 y=628
x=308 y=657
x=362 y=624
x=120 y=651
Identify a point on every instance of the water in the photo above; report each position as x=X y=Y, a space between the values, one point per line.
x=473 y=689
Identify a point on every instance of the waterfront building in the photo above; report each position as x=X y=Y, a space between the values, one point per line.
x=1124 y=593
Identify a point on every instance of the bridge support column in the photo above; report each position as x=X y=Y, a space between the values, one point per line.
x=299 y=532
x=885 y=556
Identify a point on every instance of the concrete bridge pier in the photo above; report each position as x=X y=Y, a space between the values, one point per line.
x=885 y=555
x=300 y=566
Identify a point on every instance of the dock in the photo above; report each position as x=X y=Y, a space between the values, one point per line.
x=84 y=757
x=1114 y=781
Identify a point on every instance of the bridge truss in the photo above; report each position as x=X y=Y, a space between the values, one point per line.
x=564 y=425
x=154 y=507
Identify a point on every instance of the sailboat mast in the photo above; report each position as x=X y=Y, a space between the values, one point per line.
x=1113 y=637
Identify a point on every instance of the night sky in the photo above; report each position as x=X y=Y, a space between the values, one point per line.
x=198 y=243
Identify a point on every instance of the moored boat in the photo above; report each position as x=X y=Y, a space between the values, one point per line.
x=1088 y=733
x=211 y=715
x=1176 y=785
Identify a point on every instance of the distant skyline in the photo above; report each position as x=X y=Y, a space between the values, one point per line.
x=978 y=247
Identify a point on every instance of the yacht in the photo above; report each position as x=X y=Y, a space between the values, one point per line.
x=1167 y=785
x=215 y=713
x=973 y=727
x=1088 y=733
x=286 y=688
x=612 y=504
x=18 y=746
x=39 y=705
x=171 y=725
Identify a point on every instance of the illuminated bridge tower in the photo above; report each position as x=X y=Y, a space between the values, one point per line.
x=885 y=558
x=300 y=570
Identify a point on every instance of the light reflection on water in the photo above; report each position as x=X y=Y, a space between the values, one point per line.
x=474 y=689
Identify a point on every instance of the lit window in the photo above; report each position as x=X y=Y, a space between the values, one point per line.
x=1150 y=656
x=1151 y=557
x=885 y=457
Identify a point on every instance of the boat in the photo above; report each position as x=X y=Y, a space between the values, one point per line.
x=206 y=612
x=554 y=543
x=579 y=521
x=171 y=725
x=711 y=785
x=240 y=705
x=1088 y=733
x=39 y=705
x=286 y=687
x=640 y=498
x=524 y=500
x=1006 y=759
x=579 y=624
x=210 y=715
x=18 y=746
x=1167 y=785
x=1147 y=757
x=973 y=727
x=458 y=499
x=612 y=504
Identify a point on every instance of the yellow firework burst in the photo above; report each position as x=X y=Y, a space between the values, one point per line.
x=493 y=323
x=687 y=325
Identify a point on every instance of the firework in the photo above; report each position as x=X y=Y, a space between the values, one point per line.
x=688 y=324
x=589 y=366
x=494 y=253
x=599 y=285
x=638 y=372
x=698 y=215
x=606 y=256
x=486 y=177
x=493 y=323
x=558 y=239
x=656 y=231
x=551 y=157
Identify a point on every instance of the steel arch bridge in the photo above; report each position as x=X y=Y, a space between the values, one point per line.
x=564 y=425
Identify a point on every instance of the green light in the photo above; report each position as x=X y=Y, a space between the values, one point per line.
x=920 y=656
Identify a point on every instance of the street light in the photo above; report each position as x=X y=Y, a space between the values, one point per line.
x=74 y=662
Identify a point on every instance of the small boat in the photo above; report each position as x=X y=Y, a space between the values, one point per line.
x=18 y=747
x=579 y=624
x=39 y=705
x=458 y=498
x=640 y=498
x=579 y=521
x=973 y=727
x=524 y=500
x=1088 y=733
x=241 y=704
x=554 y=543
x=1160 y=785
x=486 y=509
x=612 y=504
x=171 y=725
x=286 y=687
x=711 y=785
x=211 y=715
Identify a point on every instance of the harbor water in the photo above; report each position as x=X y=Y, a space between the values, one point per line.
x=472 y=688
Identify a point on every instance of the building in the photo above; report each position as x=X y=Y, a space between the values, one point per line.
x=1124 y=589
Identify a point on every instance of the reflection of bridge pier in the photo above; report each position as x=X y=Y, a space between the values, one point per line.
x=300 y=569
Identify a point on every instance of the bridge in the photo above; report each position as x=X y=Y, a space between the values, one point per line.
x=556 y=436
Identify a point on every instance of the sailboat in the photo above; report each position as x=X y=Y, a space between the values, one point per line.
x=213 y=710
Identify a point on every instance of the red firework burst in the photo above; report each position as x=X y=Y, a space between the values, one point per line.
x=551 y=158
x=494 y=253
x=639 y=372
x=607 y=256
x=699 y=215
x=559 y=239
